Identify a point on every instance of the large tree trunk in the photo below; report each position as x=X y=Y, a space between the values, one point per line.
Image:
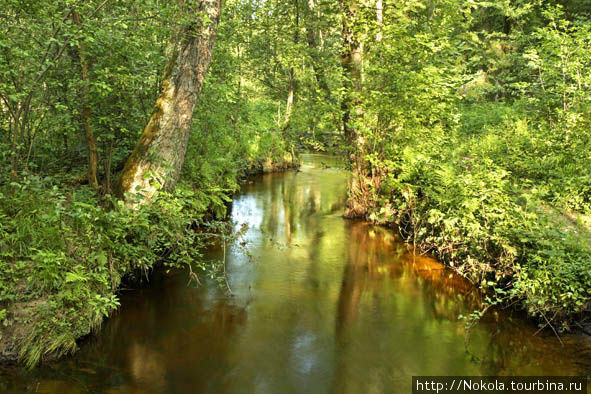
x=157 y=160
x=352 y=111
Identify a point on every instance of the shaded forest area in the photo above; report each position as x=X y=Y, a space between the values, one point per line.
x=466 y=125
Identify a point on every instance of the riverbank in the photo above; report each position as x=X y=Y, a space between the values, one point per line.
x=335 y=299
x=65 y=252
x=492 y=199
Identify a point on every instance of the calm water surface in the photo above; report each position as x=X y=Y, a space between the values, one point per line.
x=322 y=305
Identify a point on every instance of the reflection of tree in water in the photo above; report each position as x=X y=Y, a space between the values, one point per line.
x=512 y=344
x=375 y=263
x=294 y=203
x=501 y=345
x=180 y=326
x=375 y=254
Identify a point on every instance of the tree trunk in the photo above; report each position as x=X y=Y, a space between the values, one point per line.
x=379 y=19
x=352 y=112
x=86 y=113
x=292 y=82
x=289 y=102
x=319 y=75
x=157 y=160
x=351 y=63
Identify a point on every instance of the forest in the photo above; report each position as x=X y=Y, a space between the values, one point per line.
x=127 y=128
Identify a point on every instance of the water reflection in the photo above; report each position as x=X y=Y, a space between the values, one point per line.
x=323 y=305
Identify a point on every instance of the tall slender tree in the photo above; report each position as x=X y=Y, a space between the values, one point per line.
x=86 y=111
x=351 y=107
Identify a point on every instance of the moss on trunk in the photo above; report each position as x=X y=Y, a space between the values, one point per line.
x=158 y=157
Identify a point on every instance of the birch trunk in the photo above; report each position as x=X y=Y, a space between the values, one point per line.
x=158 y=157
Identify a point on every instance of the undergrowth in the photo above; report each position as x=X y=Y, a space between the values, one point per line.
x=503 y=206
x=64 y=252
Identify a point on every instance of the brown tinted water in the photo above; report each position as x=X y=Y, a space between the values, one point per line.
x=323 y=305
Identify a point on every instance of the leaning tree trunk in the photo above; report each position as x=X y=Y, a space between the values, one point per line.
x=158 y=157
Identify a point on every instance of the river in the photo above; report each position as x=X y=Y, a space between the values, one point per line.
x=319 y=304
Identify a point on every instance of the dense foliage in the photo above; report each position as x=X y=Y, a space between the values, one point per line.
x=476 y=140
x=466 y=122
x=65 y=246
